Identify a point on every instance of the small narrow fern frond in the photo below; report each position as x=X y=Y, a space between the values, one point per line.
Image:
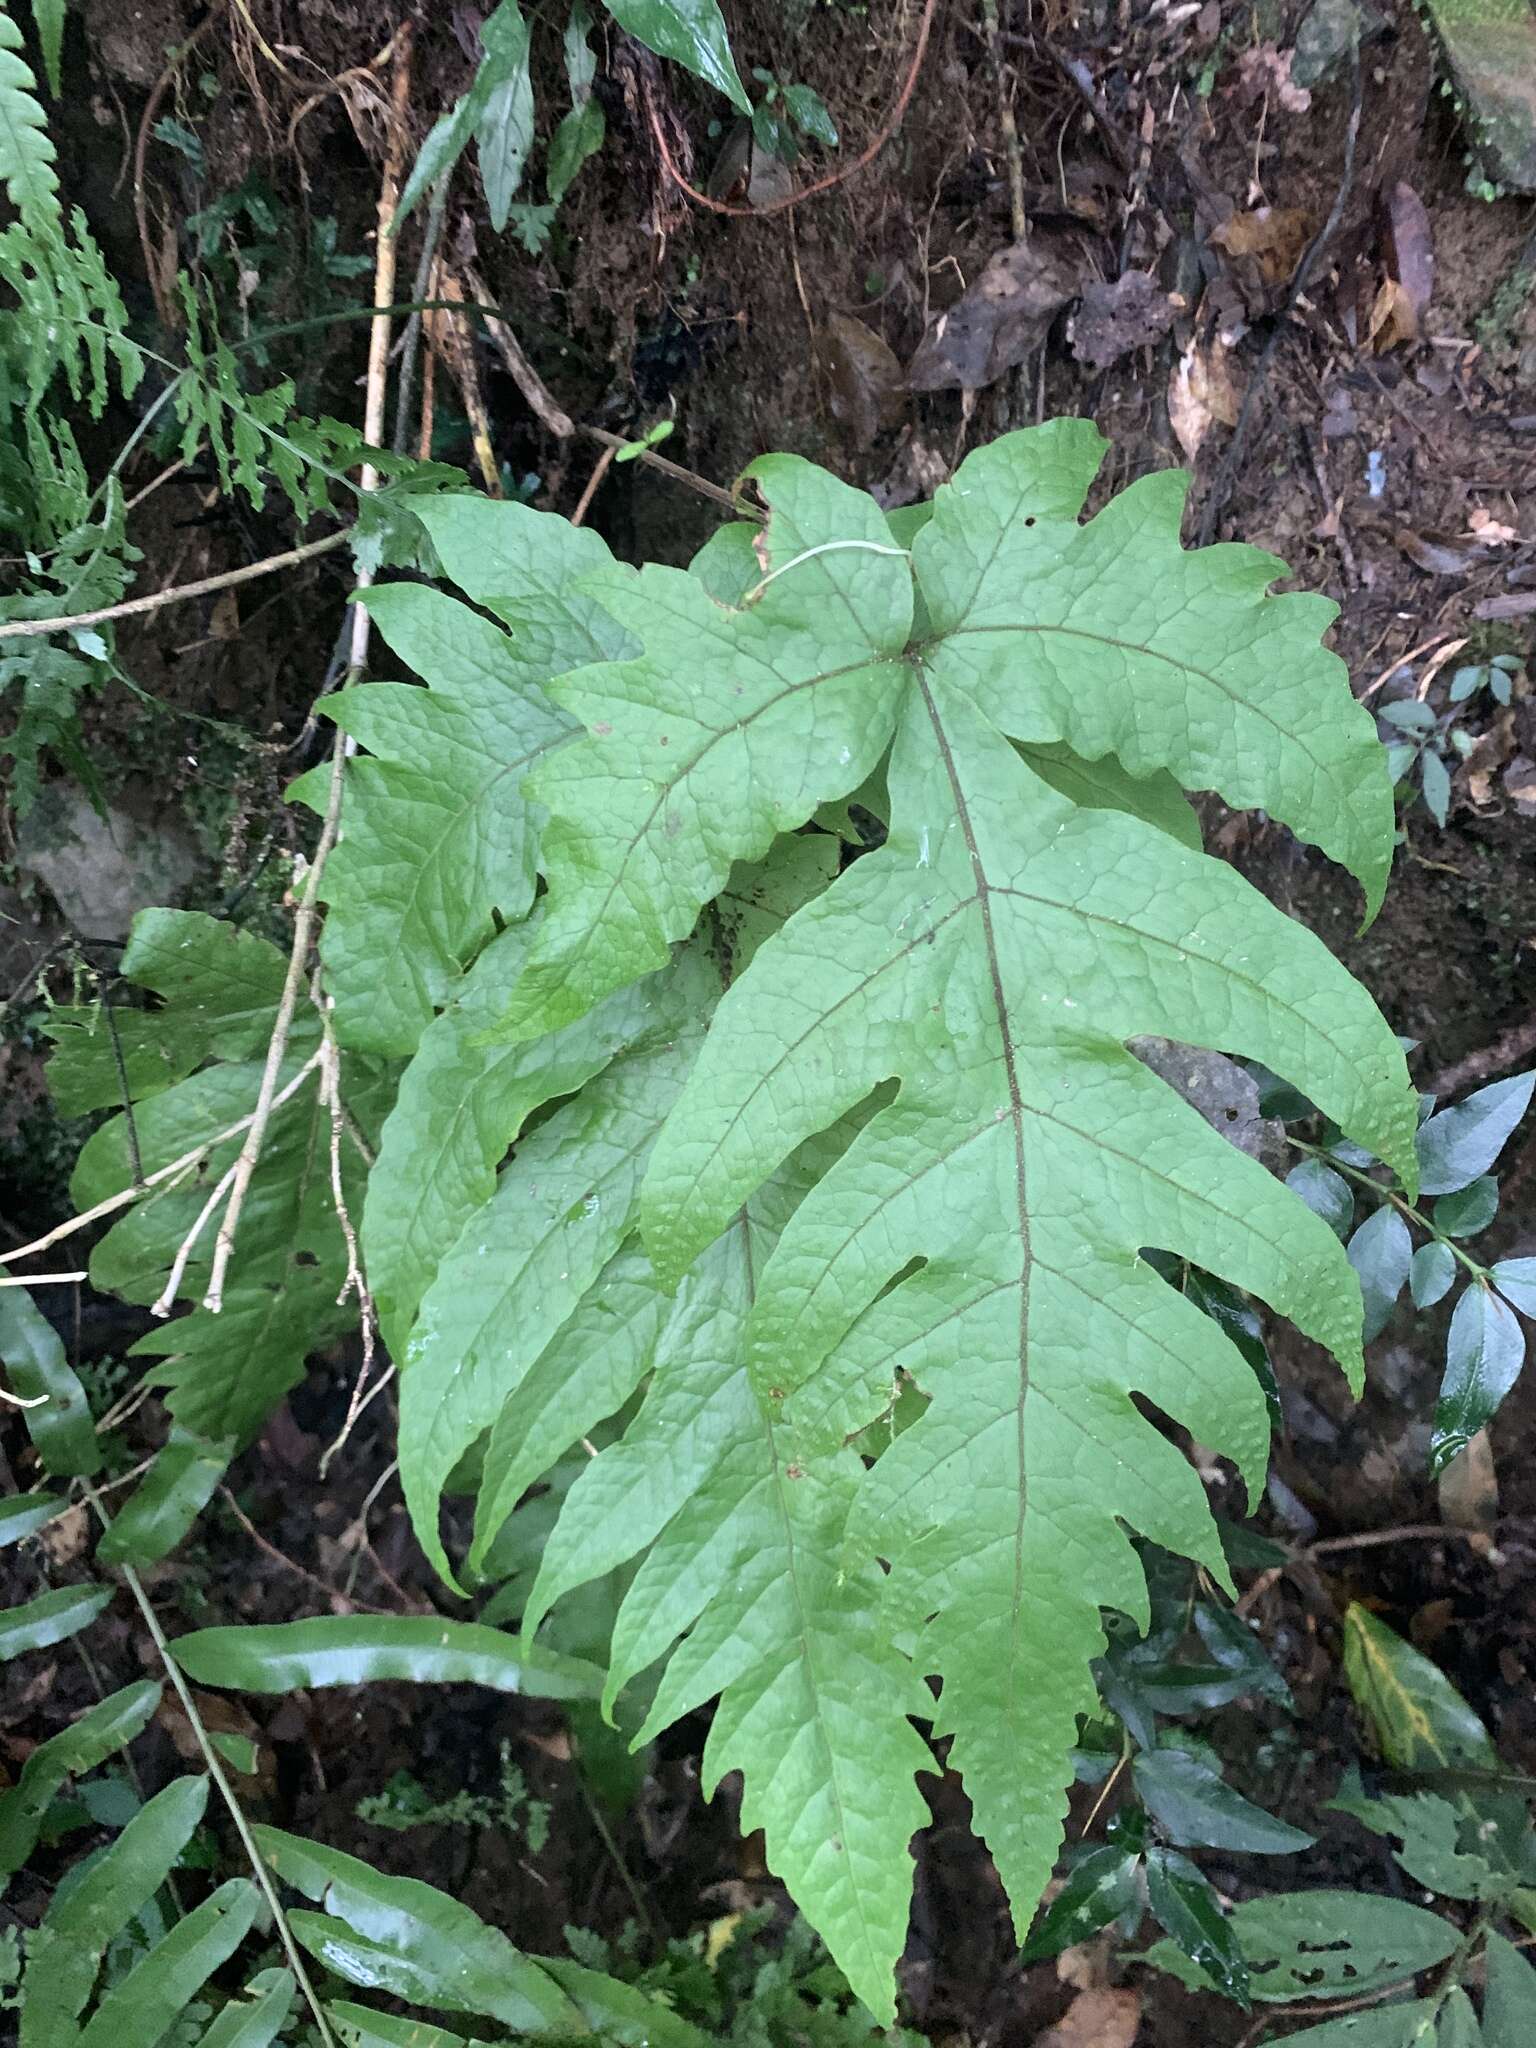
x=26 y=151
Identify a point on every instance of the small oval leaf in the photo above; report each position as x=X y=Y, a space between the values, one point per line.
x=1460 y=1143
x=1431 y=1274
x=1381 y=1252
x=1484 y=1351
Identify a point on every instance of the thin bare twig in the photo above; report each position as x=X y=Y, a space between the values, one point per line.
x=309 y=904
x=170 y=1172
x=163 y=1304
x=519 y=369
x=289 y=1564
x=355 y=1282
x=277 y=1046
x=1362 y=1539
x=19 y=629
x=599 y=470
x=1506 y=1051
x=840 y=176
x=716 y=493
x=991 y=36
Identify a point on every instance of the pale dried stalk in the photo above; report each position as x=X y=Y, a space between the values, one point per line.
x=171 y=1172
x=356 y=1281
x=309 y=905
x=162 y=1305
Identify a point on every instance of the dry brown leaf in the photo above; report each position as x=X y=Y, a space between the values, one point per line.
x=868 y=386
x=1469 y=1489
x=1393 y=319
x=1265 y=71
x=1492 y=532
x=1410 y=247
x=1520 y=785
x=1438 y=557
x=1113 y=319
x=1097 y=2019
x=1000 y=320
x=1274 y=236
x=65 y=1537
x=1201 y=394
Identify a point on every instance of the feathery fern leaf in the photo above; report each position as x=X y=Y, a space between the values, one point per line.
x=290 y=1259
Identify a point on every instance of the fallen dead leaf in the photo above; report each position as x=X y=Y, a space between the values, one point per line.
x=1201 y=394
x=1520 y=785
x=1097 y=2019
x=998 y=321
x=64 y=1538
x=1469 y=1489
x=868 y=387
x=1438 y=556
x=1266 y=69
x=1113 y=319
x=1410 y=248
x=1274 y=236
x=1492 y=532
x=1393 y=320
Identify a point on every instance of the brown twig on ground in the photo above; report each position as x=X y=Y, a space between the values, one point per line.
x=1221 y=483
x=304 y=921
x=840 y=176
x=355 y=1281
x=519 y=369
x=991 y=35
x=1506 y=1051
x=449 y=337
x=1363 y=1539
x=291 y=1565
x=17 y=629
x=716 y=493
x=600 y=469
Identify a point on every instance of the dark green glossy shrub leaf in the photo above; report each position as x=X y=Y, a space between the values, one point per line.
x=1098 y=1888
x=1380 y=1251
x=1484 y=1351
x=1196 y=1808
x=1184 y=1904
x=691 y=33
x=1431 y=1274
x=1458 y=1144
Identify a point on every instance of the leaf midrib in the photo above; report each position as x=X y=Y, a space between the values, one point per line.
x=1016 y=1119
